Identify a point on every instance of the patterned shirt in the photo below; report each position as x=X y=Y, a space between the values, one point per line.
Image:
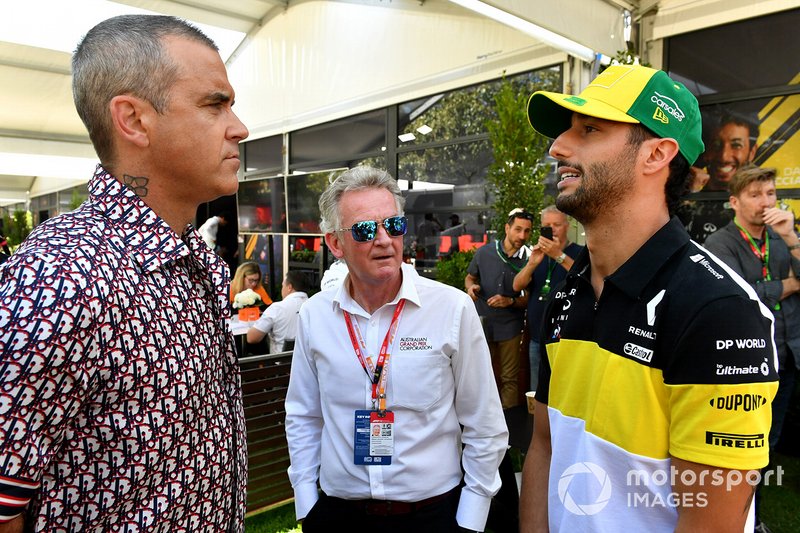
x=120 y=399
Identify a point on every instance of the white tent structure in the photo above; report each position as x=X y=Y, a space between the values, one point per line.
x=295 y=63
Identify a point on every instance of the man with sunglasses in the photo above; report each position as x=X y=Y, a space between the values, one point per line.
x=391 y=391
x=490 y=283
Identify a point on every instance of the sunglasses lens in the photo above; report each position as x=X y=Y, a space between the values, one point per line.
x=396 y=226
x=364 y=231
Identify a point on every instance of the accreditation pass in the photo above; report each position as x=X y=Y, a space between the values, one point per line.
x=374 y=438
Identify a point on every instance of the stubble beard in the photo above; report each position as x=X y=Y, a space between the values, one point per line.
x=602 y=188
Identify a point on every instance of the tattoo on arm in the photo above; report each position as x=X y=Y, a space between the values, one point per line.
x=138 y=184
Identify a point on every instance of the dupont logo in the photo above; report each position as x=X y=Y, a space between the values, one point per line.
x=668 y=105
x=638 y=352
x=739 y=402
x=735 y=440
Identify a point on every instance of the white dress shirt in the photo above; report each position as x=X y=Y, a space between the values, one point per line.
x=209 y=231
x=440 y=377
x=279 y=320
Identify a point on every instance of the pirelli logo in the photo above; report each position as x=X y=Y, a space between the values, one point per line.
x=734 y=440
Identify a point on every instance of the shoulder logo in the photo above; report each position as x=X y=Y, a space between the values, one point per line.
x=660 y=116
x=668 y=105
x=651 y=307
x=700 y=258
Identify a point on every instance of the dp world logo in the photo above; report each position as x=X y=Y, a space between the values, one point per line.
x=577 y=473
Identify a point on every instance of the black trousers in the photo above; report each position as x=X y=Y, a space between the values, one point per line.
x=336 y=514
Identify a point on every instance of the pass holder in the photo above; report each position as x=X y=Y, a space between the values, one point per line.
x=374 y=437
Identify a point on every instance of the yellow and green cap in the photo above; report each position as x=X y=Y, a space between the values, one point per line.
x=626 y=93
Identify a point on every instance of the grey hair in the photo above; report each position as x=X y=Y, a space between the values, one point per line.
x=355 y=179
x=553 y=209
x=125 y=55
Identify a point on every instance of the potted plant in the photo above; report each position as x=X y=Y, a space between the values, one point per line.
x=516 y=176
x=248 y=302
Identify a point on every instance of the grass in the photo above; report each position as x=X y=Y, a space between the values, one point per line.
x=278 y=519
x=780 y=503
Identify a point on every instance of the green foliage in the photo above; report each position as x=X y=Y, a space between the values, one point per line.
x=17 y=227
x=452 y=270
x=626 y=57
x=303 y=256
x=517 y=173
x=75 y=200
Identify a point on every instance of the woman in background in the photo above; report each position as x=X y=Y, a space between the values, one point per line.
x=248 y=276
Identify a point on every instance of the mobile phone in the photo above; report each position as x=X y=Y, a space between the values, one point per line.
x=546 y=232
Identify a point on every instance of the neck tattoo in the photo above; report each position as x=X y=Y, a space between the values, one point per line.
x=138 y=184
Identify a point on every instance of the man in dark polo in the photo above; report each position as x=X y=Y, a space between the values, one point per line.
x=490 y=284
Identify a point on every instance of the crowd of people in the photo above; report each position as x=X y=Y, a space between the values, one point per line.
x=121 y=397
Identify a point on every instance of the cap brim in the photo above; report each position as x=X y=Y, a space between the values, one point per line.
x=551 y=113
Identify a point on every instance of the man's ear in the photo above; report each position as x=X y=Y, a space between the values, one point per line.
x=128 y=119
x=659 y=153
x=734 y=202
x=335 y=245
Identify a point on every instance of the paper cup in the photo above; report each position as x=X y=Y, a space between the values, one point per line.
x=530 y=395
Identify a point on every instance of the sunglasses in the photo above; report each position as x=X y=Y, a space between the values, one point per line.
x=367 y=230
x=519 y=213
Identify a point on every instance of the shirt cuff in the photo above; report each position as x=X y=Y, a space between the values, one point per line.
x=15 y=494
x=305 y=496
x=473 y=510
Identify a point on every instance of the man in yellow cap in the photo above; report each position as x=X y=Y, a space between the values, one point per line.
x=650 y=342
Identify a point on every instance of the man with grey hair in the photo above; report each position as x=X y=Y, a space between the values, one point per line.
x=391 y=389
x=550 y=260
x=122 y=403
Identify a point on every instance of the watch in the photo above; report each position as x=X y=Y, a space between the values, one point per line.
x=560 y=258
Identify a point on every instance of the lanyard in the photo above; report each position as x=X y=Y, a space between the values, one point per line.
x=762 y=254
x=378 y=375
x=545 y=290
x=503 y=257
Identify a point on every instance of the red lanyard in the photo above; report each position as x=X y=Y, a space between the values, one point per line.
x=378 y=374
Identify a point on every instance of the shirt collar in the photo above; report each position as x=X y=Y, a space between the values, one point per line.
x=296 y=294
x=149 y=240
x=637 y=272
x=408 y=291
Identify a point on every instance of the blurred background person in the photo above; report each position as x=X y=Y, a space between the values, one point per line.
x=248 y=276
x=210 y=228
x=761 y=246
x=279 y=321
x=547 y=266
x=490 y=284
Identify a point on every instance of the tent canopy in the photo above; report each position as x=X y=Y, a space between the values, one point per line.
x=296 y=63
